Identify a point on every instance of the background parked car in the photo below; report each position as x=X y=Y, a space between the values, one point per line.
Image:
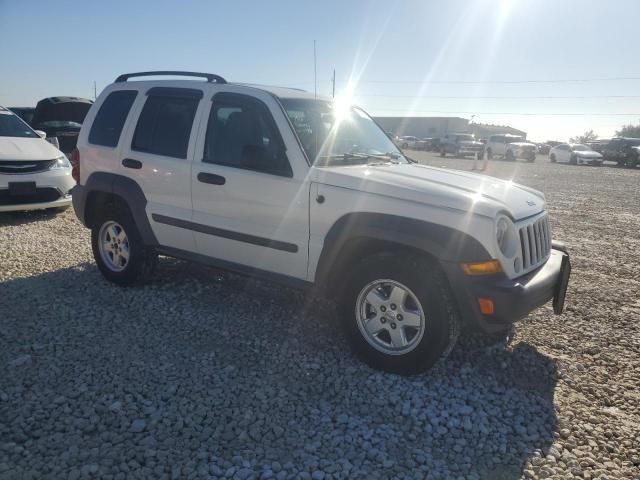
x=575 y=154
x=407 y=142
x=460 y=145
x=511 y=147
x=622 y=151
x=544 y=148
x=33 y=173
x=61 y=117
x=25 y=113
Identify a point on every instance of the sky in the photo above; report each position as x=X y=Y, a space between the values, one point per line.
x=553 y=68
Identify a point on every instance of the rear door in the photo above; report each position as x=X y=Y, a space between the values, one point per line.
x=250 y=190
x=158 y=153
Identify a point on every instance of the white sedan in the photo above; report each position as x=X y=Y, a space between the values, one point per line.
x=575 y=154
x=34 y=174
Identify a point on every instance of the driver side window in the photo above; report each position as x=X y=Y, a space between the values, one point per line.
x=241 y=133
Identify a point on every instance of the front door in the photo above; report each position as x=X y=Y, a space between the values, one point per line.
x=250 y=207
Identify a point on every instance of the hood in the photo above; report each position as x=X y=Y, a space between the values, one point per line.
x=18 y=148
x=61 y=109
x=453 y=189
x=588 y=154
x=471 y=143
x=523 y=144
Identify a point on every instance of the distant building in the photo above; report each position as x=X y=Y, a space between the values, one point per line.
x=483 y=130
x=436 y=127
x=423 y=127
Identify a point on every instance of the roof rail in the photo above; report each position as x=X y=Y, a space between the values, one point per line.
x=211 y=77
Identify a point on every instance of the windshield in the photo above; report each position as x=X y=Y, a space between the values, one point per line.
x=580 y=148
x=465 y=138
x=515 y=139
x=59 y=124
x=12 y=126
x=329 y=137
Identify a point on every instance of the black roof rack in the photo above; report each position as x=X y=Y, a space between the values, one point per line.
x=211 y=77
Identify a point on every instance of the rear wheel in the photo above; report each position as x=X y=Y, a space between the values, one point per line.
x=552 y=158
x=509 y=156
x=119 y=251
x=405 y=145
x=398 y=313
x=573 y=160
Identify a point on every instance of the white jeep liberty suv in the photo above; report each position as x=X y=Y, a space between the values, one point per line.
x=276 y=183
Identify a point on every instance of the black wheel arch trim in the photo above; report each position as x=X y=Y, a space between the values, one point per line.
x=444 y=243
x=123 y=187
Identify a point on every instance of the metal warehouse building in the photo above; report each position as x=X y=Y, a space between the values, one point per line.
x=436 y=127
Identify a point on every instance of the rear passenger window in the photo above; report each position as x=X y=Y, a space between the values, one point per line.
x=108 y=124
x=165 y=125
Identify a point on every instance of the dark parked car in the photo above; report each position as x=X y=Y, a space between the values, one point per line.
x=61 y=117
x=623 y=151
x=25 y=113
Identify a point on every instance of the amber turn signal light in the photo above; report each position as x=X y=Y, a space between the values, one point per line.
x=482 y=268
x=486 y=306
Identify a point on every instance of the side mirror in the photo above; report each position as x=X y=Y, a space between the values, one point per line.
x=53 y=141
x=41 y=134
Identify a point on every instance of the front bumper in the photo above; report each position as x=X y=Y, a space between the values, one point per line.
x=513 y=299
x=589 y=161
x=52 y=190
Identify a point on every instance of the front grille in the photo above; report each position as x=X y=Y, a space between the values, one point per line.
x=20 y=166
x=42 y=195
x=535 y=242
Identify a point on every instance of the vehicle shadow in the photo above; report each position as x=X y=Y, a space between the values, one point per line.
x=23 y=218
x=222 y=368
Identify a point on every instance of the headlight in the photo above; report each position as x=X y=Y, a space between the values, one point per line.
x=61 y=162
x=506 y=235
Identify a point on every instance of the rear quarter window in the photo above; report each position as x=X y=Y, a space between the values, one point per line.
x=108 y=123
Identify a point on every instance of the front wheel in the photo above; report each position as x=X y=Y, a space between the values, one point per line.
x=398 y=313
x=509 y=156
x=552 y=158
x=118 y=248
x=405 y=145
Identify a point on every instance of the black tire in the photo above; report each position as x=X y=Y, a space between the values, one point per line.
x=405 y=145
x=509 y=156
x=573 y=160
x=552 y=158
x=489 y=154
x=142 y=259
x=443 y=152
x=531 y=159
x=427 y=282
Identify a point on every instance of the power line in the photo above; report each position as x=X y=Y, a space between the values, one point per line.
x=476 y=112
x=476 y=82
x=471 y=97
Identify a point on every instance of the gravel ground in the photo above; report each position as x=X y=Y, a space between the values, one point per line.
x=203 y=374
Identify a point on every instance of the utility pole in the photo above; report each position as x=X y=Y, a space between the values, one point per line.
x=333 y=81
x=94 y=90
x=315 y=77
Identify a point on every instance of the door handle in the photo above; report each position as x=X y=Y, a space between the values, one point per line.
x=211 y=178
x=131 y=163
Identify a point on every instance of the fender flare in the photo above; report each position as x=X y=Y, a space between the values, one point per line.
x=123 y=187
x=443 y=243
